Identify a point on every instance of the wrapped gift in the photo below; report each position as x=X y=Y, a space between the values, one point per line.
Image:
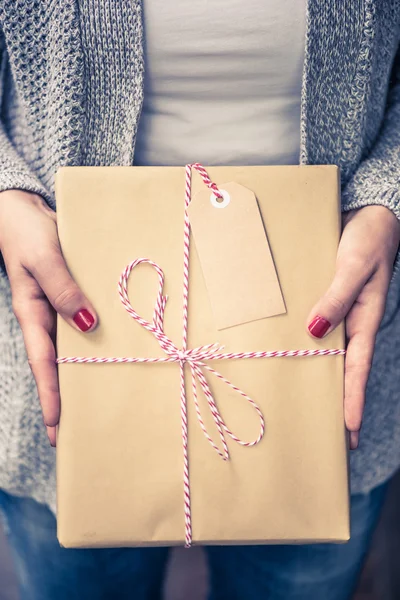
x=210 y=417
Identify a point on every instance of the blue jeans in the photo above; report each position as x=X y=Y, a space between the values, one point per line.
x=304 y=572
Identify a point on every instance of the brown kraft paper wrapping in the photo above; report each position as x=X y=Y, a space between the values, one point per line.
x=119 y=443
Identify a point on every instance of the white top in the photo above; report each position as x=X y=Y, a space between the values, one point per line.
x=222 y=82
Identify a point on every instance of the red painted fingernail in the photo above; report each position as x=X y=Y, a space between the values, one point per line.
x=83 y=319
x=319 y=326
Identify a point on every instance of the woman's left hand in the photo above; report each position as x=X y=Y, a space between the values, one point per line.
x=367 y=249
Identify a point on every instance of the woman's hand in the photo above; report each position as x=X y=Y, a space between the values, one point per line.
x=367 y=250
x=41 y=286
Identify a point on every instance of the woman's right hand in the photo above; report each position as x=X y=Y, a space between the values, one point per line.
x=41 y=286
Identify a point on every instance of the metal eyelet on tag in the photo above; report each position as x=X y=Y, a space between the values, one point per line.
x=217 y=202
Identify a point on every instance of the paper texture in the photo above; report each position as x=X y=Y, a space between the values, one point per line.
x=235 y=257
x=119 y=454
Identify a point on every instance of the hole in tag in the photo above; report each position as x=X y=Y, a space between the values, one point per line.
x=218 y=202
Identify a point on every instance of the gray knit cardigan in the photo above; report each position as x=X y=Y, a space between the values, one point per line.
x=71 y=90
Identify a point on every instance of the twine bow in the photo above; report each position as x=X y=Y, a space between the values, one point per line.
x=193 y=357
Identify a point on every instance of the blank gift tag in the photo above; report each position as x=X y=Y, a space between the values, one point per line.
x=235 y=256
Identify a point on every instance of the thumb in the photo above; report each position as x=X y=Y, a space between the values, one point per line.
x=334 y=305
x=63 y=293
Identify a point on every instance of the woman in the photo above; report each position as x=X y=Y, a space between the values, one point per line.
x=225 y=85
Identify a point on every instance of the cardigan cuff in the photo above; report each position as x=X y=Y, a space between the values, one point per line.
x=21 y=180
x=370 y=196
x=11 y=179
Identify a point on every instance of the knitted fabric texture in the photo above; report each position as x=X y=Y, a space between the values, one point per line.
x=71 y=90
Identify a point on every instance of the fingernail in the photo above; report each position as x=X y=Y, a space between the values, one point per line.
x=354 y=440
x=319 y=326
x=83 y=319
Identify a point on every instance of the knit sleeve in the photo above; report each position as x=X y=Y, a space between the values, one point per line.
x=14 y=172
x=377 y=179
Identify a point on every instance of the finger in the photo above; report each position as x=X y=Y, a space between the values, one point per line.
x=332 y=308
x=63 y=293
x=42 y=360
x=38 y=323
x=357 y=367
x=362 y=326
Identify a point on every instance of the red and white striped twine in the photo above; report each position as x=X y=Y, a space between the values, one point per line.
x=194 y=358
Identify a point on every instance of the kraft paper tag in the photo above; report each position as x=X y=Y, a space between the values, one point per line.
x=235 y=256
